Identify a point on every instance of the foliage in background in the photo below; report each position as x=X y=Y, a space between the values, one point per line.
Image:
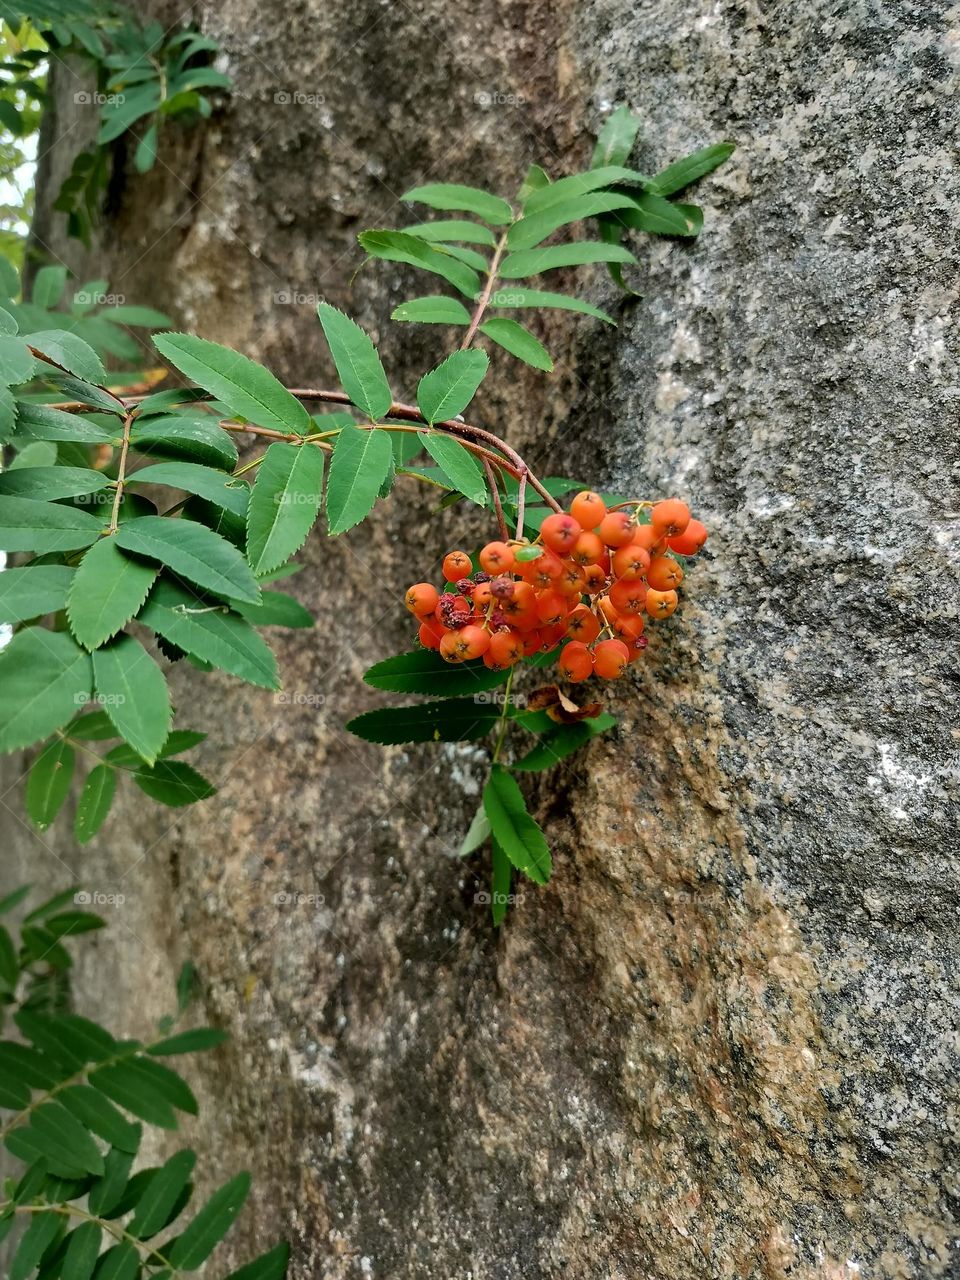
x=78 y=1102
x=132 y=508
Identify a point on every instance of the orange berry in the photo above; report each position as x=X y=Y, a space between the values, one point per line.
x=521 y=609
x=506 y=648
x=690 y=541
x=551 y=607
x=456 y=565
x=559 y=532
x=421 y=598
x=450 y=648
x=646 y=536
x=575 y=661
x=608 y=609
x=496 y=557
x=469 y=642
x=550 y=637
x=583 y=625
x=660 y=604
x=631 y=562
x=664 y=573
x=610 y=658
x=617 y=529
x=542 y=571
x=572 y=581
x=482 y=595
x=588 y=548
x=430 y=634
x=628 y=596
x=628 y=626
x=670 y=517
x=588 y=509
x=531 y=642
x=596 y=579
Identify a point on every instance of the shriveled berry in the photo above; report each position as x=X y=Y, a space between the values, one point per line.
x=588 y=509
x=465 y=586
x=664 y=573
x=630 y=562
x=617 y=529
x=496 y=557
x=559 y=532
x=636 y=647
x=670 y=517
x=480 y=576
x=502 y=588
x=660 y=604
x=610 y=658
x=575 y=661
x=456 y=565
x=690 y=541
x=452 y=611
x=421 y=598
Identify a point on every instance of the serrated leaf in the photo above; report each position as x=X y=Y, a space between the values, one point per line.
x=535 y=227
x=477 y=833
x=276 y=609
x=424 y=671
x=33 y=590
x=459 y=467
x=41 y=1232
x=501 y=298
x=134 y=694
x=48 y=782
x=358 y=365
x=581 y=184
x=27 y=524
x=108 y=590
x=247 y=388
x=175 y=784
x=683 y=172
x=518 y=341
x=163 y=1191
x=44 y=677
x=269 y=1266
x=216 y=486
x=535 y=178
x=40 y=422
x=194 y=1245
x=16 y=363
x=452 y=232
x=195 y=552
x=451 y=720
x=563 y=740
x=359 y=466
x=48 y=286
x=70 y=352
x=447 y=390
x=513 y=828
x=38 y=453
x=284 y=504
x=530 y=262
x=94 y=803
x=86 y=392
x=451 y=195
x=50 y=483
x=616 y=138
x=196 y=439
x=93 y=727
x=435 y=309
x=210 y=632
x=82 y=1251
x=501 y=880
x=397 y=246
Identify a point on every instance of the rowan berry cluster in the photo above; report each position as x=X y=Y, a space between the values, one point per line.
x=592 y=578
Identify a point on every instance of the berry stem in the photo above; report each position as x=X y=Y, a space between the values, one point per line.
x=521 y=500
x=495 y=494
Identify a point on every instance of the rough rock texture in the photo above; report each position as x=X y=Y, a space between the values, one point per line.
x=723 y=1041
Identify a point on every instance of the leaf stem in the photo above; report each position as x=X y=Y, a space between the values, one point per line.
x=504 y=716
x=484 y=299
x=128 y=418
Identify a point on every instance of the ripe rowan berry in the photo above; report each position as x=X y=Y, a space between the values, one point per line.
x=449 y=647
x=520 y=610
x=628 y=626
x=588 y=548
x=576 y=661
x=541 y=572
x=608 y=609
x=647 y=537
x=550 y=636
x=559 y=532
x=456 y=564
x=422 y=598
x=660 y=604
x=664 y=573
x=595 y=579
x=482 y=596
x=628 y=596
x=670 y=517
x=551 y=607
x=572 y=580
x=630 y=562
x=496 y=557
x=531 y=642
x=430 y=634
x=583 y=625
x=506 y=648
x=617 y=529
x=690 y=541
x=588 y=509
x=469 y=642
x=610 y=658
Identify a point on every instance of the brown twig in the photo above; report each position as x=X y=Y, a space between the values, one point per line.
x=497 y=504
x=487 y=291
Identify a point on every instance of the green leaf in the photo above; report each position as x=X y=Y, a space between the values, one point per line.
x=615 y=140
x=175 y=784
x=39 y=1235
x=195 y=552
x=9 y=326
x=537 y=298
x=458 y=466
x=397 y=246
x=94 y=803
x=194 y=1041
x=40 y=422
x=101 y=1117
x=276 y=609
x=424 y=671
x=359 y=466
x=513 y=827
x=145 y=156
x=86 y=392
x=138 y=317
x=269 y=1266
x=134 y=694
x=122 y=1262
x=535 y=227
x=8 y=414
x=67 y=1039
x=563 y=740
x=27 y=524
x=44 y=677
x=529 y=262
x=580 y=184
x=134 y=1085
x=16 y=363
x=247 y=388
x=435 y=309
x=284 y=504
x=162 y=1193
x=681 y=173
x=450 y=195
x=450 y=720
x=216 y=486
x=656 y=215
x=535 y=178
x=93 y=727
x=48 y=286
x=212 y=633
x=38 y=453
x=70 y=352
x=33 y=590
x=11 y=900
x=9 y=975
x=448 y=389
x=108 y=590
x=106 y=1192
x=53 y=1126
x=358 y=365
x=456 y=232
x=501 y=881
x=49 y=782
x=83 y=1249
x=201 y=1237
x=477 y=833
x=49 y=483
x=518 y=341
x=197 y=439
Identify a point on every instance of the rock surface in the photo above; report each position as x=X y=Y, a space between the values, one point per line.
x=723 y=1041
